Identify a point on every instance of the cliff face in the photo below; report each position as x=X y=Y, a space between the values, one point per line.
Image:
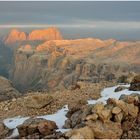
x=60 y=64
x=51 y=33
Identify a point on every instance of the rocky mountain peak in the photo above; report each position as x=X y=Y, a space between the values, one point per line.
x=15 y=35
x=51 y=33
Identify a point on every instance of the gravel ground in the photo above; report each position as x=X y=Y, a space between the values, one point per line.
x=12 y=108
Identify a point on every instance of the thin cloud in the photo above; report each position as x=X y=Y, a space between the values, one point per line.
x=44 y=26
x=82 y=24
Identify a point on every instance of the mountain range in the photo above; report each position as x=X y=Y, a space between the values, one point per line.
x=44 y=60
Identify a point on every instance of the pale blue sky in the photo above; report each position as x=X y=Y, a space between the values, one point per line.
x=120 y=20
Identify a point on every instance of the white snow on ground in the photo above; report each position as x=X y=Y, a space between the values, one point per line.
x=109 y=93
x=14 y=122
x=59 y=117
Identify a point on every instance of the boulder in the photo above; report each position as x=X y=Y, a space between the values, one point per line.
x=120 y=88
x=116 y=110
x=135 y=84
x=106 y=130
x=36 y=126
x=127 y=125
x=75 y=106
x=76 y=118
x=92 y=117
x=81 y=133
x=47 y=127
x=55 y=135
x=97 y=108
x=37 y=101
x=105 y=115
x=122 y=105
x=134 y=98
x=133 y=110
x=127 y=78
x=119 y=117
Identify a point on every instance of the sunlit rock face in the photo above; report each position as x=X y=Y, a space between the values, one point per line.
x=14 y=36
x=62 y=63
x=51 y=33
x=47 y=34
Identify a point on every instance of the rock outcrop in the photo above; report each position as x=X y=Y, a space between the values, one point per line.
x=7 y=90
x=117 y=119
x=15 y=35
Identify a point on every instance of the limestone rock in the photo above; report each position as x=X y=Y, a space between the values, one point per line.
x=130 y=99
x=116 y=110
x=36 y=125
x=127 y=125
x=92 y=117
x=105 y=115
x=98 y=108
x=107 y=130
x=133 y=110
x=135 y=84
x=119 y=117
x=81 y=133
x=122 y=105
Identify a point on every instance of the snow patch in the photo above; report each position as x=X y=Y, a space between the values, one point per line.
x=12 y=123
x=109 y=93
x=59 y=118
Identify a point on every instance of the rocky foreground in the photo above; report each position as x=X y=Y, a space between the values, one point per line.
x=117 y=118
x=41 y=103
x=114 y=120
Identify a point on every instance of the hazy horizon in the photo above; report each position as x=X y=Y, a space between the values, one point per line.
x=118 y=20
